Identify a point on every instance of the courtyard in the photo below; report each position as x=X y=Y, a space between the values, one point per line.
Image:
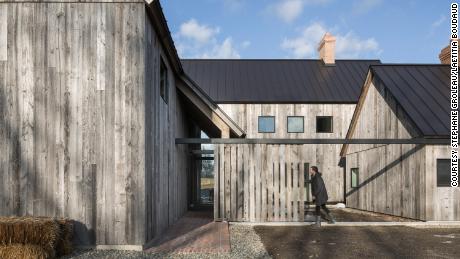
x=328 y=242
x=367 y=235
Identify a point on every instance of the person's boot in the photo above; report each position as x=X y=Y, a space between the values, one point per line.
x=331 y=218
x=318 y=221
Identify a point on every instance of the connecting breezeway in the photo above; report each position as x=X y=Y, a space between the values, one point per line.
x=260 y=180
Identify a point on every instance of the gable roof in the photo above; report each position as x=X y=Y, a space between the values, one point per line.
x=423 y=91
x=278 y=80
x=208 y=107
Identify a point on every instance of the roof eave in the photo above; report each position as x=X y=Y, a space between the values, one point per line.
x=362 y=97
x=155 y=13
x=235 y=129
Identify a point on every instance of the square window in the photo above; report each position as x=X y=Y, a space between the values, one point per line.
x=324 y=124
x=266 y=124
x=443 y=172
x=354 y=177
x=164 y=84
x=295 y=124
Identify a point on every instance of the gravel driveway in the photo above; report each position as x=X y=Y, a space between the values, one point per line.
x=245 y=243
x=360 y=242
x=331 y=242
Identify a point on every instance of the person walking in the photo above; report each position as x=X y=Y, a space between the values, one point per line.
x=319 y=193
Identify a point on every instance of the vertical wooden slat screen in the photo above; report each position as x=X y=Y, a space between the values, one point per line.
x=258 y=183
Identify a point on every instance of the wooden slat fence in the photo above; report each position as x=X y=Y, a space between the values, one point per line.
x=258 y=182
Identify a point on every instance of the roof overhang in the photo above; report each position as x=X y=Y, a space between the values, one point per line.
x=208 y=110
x=155 y=13
x=419 y=139
x=205 y=111
x=357 y=111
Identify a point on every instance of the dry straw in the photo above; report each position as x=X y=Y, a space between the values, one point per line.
x=20 y=251
x=53 y=236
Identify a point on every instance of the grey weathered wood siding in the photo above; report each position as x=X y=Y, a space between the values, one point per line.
x=73 y=126
x=83 y=133
x=258 y=183
x=391 y=180
x=395 y=179
x=442 y=203
x=391 y=177
x=167 y=164
x=326 y=157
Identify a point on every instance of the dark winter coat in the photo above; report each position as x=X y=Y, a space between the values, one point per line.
x=318 y=189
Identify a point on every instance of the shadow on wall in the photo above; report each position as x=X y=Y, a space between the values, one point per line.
x=386 y=168
x=9 y=160
x=24 y=190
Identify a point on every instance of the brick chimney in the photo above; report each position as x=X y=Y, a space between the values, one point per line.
x=444 y=56
x=326 y=49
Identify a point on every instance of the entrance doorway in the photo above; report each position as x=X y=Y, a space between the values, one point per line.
x=206 y=180
x=202 y=183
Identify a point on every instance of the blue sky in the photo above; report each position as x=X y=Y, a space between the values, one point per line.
x=394 y=31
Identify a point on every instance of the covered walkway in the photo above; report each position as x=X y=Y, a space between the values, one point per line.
x=196 y=232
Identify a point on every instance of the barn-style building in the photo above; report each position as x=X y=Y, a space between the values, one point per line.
x=402 y=102
x=279 y=99
x=102 y=123
x=92 y=97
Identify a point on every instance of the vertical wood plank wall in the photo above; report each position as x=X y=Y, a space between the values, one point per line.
x=326 y=157
x=258 y=183
x=166 y=163
x=392 y=177
x=72 y=124
x=442 y=203
x=84 y=133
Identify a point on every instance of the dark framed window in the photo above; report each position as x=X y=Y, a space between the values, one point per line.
x=164 y=82
x=295 y=124
x=354 y=177
x=266 y=124
x=443 y=172
x=324 y=124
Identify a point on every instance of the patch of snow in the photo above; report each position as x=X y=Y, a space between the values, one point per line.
x=340 y=206
x=446 y=236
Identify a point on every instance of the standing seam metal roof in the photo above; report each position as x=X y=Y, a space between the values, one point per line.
x=279 y=81
x=423 y=91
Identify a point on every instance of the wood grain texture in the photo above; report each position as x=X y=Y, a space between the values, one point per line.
x=396 y=179
x=166 y=165
x=271 y=194
x=84 y=132
x=326 y=157
x=3 y=32
x=442 y=203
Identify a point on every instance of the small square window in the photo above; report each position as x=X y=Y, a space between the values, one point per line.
x=354 y=177
x=266 y=124
x=324 y=124
x=443 y=172
x=295 y=124
x=164 y=84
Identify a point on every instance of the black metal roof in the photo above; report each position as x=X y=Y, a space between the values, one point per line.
x=278 y=81
x=423 y=91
